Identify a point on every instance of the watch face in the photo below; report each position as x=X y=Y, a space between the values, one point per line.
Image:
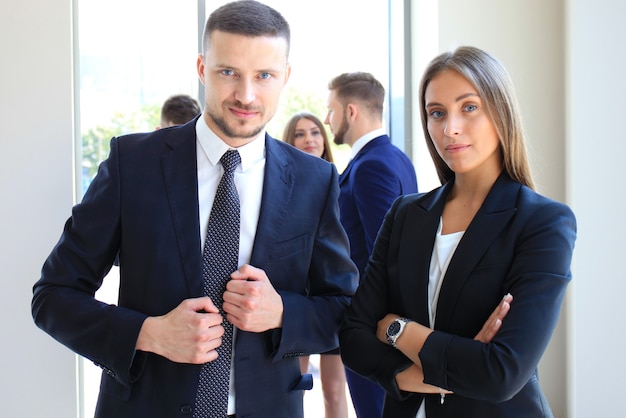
x=393 y=328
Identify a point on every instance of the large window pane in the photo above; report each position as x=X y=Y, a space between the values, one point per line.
x=133 y=54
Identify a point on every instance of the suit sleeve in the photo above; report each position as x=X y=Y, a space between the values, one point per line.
x=63 y=303
x=375 y=187
x=537 y=278
x=311 y=320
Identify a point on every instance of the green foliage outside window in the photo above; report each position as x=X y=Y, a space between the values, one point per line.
x=96 y=141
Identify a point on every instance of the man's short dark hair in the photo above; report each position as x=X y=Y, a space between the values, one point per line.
x=247 y=17
x=179 y=109
x=360 y=87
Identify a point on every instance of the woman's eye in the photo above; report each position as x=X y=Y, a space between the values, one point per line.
x=436 y=114
x=470 y=107
x=299 y=135
x=315 y=133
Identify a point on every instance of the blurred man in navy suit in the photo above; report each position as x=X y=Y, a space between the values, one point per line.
x=376 y=175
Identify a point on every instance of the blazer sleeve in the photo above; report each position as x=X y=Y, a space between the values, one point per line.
x=543 y=233
x=63 y=303
x=361 y=350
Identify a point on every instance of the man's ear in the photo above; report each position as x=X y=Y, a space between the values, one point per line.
x=287 y=73
x=352 y=111
x=200 y=68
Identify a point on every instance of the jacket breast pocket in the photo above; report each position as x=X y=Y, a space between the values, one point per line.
x=290 y=247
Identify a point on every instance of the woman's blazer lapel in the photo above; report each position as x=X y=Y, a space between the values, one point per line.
x=417 y=234
x=492 y=217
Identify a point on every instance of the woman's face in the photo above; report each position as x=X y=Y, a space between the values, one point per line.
x=459 y=125
x=308 y=137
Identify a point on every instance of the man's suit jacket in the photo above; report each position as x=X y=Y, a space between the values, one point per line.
x=373 y=179
x=518 y=242
x=144 y=204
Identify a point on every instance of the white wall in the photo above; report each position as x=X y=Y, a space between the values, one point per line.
x=38 y=374
x=596 y=117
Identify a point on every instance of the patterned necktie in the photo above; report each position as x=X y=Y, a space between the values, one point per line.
x=219 y=260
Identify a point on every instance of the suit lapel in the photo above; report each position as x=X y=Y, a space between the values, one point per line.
x=179 y=163
x=278 y=186
x=422 y=220
x=490 y=220
x=346 y=172
x=368 y=147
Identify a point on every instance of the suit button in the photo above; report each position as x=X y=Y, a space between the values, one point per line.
x=185 y=410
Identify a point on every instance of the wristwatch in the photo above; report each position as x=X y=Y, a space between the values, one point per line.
x=394 y=330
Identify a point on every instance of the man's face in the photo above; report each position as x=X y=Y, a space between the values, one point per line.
x=337 y=119
x=243 y=78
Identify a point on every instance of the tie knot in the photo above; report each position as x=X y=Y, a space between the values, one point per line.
x=230 y=160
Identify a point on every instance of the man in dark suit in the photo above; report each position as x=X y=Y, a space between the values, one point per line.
x=376 y=175
x=150 y=202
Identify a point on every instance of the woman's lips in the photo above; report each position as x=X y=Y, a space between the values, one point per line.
x=456 y=147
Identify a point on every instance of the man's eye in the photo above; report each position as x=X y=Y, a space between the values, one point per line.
x=227 y=72
x=265 y=76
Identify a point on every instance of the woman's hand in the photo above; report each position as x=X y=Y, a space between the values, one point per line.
x=493 y=323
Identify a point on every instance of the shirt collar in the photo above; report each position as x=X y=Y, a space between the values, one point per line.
x=362 y=141
x=214 y=147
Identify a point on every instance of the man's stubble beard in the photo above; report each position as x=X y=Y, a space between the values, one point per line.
x=340 y=136
x=228 y=132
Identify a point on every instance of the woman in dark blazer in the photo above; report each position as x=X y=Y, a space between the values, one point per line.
x=443 y=260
